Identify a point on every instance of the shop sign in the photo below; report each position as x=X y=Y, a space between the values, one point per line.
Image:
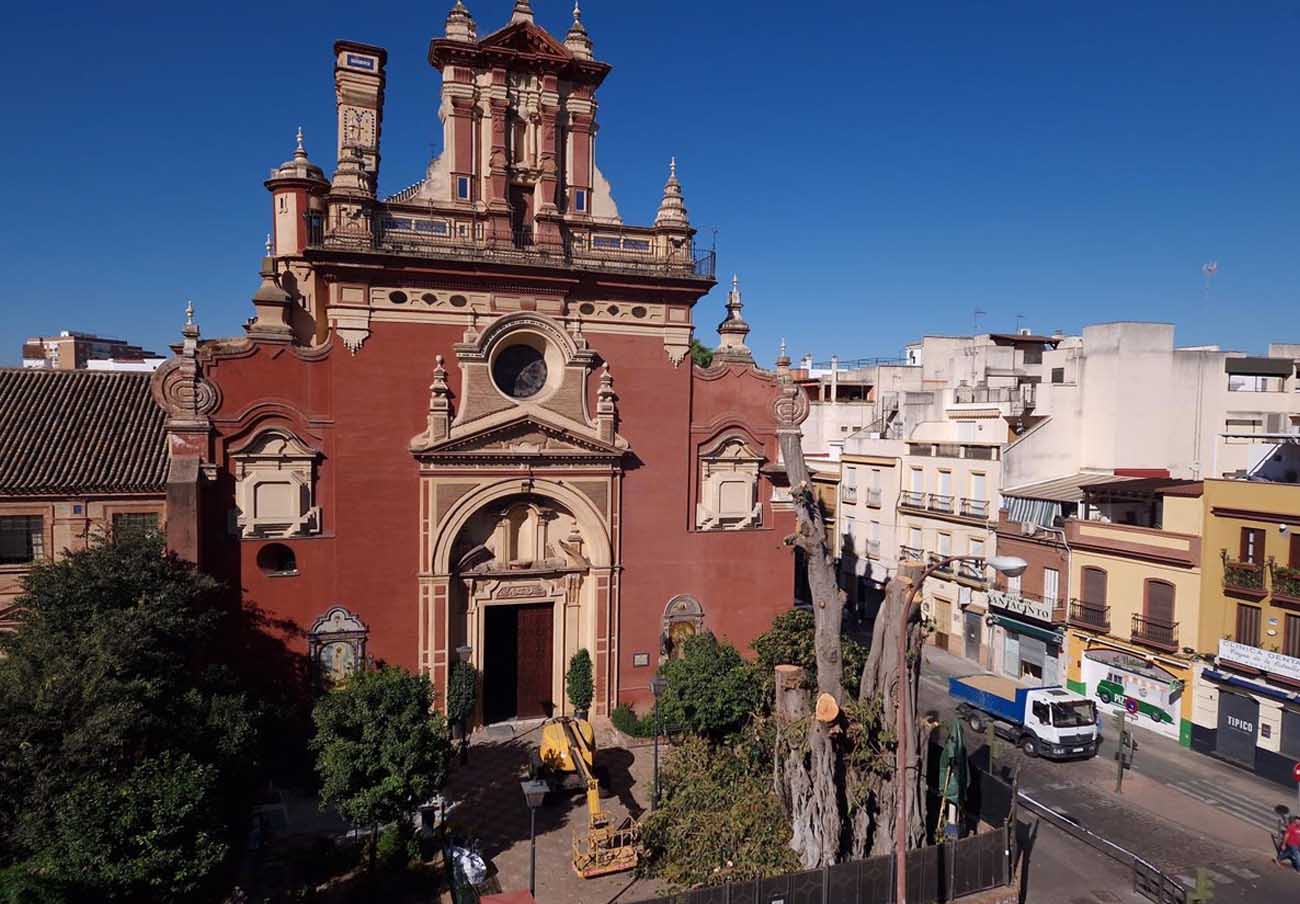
x=1019 y=605
x=1264 y=660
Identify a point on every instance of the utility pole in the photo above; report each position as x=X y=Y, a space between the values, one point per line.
x=1122 y=721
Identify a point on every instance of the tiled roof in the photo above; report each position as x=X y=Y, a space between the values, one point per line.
x=65 y=432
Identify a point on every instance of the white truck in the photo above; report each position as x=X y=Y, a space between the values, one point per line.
x=1042 y=721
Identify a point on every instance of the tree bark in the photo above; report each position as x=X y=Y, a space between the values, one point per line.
x=813 y=776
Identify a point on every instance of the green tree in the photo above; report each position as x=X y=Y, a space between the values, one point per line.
x=381 y=748
x=578 y=681
x=701 y=354
x=791 y=641
x=129 y=753
x=718 y=821
x=711 y=689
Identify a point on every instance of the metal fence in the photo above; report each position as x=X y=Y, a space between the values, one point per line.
x=935 y=874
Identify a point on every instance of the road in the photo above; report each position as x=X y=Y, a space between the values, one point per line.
x=1179 y=810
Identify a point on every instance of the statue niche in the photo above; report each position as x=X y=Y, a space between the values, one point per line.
x=729 y=487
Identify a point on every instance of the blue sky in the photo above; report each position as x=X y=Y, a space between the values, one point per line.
x=874 y=171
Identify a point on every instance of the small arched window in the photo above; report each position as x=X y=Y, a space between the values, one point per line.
x=276 y=559
x=1094 y=586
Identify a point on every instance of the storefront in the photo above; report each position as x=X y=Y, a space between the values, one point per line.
x=1026 y=646
x=1248 y=711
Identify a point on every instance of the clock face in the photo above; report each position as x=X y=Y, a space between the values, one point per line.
x=520 y=371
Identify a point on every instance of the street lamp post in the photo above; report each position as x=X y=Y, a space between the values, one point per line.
x=657 y=685
x=1011 y=566
x=534 y=794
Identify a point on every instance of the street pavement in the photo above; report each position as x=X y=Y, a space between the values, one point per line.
x=1178 y=810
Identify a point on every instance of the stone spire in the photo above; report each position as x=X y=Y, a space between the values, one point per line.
x=577 y=40
x=460 y=24
x=298 y=167
x=607 y=407
x=672 y=209
x=733 y=328
x=190 y=331
x=523 y=12
x=782 y=358
x=271 y=304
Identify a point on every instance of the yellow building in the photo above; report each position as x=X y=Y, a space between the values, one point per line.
x=1247 y=703
x=1134 y=622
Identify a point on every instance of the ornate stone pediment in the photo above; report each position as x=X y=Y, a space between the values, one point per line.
x=525 y=37
x=529 y=439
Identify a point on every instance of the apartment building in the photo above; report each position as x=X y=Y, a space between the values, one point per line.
x=1246 y=704
x=870 y=485
x=73 y=350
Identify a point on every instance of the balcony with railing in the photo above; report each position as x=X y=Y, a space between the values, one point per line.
x=940 y=503
x=848 y=494
x=1010 y=400
x=1286 y=585
x=912 y=499
x=936 y=561
x=1243 y=578
x=1093 y=616
x=873 y=549
x=972 y=573
x=873 y=497
x=912 y=553
x=1152 y=632
x=977 y=509
x=625 y=249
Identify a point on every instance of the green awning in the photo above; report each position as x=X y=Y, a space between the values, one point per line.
x=1054 y=637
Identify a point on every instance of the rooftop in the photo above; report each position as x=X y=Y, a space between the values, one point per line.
x=72 y=432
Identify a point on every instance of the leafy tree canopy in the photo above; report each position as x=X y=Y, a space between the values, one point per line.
x=711 y=689
x=701 y=354
x=381 y=750
x=718 y=821
x=792 y=641
x=128 y=754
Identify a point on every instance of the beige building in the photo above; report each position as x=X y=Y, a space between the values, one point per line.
x=81 y=454
x=72 y=350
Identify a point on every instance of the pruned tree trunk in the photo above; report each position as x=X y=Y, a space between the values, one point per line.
x=813 y=774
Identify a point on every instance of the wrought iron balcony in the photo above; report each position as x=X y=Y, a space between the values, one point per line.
x=618 y=249
x=935 y=561
x=873 y=549
x=969 y=571
x=1153 y=633
x=1245 y=578
x=1286 y=583
x=873 y=497
x=1018 y=398
x=911 y=552
x=939 y=503
x=1094 y=616
x=912 y=499
x=848 y=494
x=975 y=508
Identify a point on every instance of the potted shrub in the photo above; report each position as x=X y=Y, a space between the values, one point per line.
x=579 y=684
x=462 y=690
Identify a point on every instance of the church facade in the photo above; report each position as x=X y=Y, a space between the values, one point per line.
x=464 y=421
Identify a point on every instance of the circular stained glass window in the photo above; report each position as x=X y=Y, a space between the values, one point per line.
x=520 y=371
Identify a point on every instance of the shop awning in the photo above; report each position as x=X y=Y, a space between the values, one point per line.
x=1061 y=489
x=1053 y=637
x=1259 y=367
x=1263 y=690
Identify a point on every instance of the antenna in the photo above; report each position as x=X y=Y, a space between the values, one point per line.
x=975 y=319
x=1019 y=318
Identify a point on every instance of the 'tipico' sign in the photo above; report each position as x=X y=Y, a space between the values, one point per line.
x=1019 y=605
x=1264 y=660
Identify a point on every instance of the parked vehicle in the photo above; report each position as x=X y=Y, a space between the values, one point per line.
x=1042 y=721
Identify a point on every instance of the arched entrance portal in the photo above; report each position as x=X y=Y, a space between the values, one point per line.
x=523 y=599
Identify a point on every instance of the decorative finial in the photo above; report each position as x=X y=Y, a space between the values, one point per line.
x=577 y=11
x=733 y=328
x=735 y=282
x=672 y=167
x=268 y=244
x=782 y=353
x=672 y=209
x=523 y=12
x=189 y=313
x=300 y=147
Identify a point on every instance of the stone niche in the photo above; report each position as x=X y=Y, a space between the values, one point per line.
x=275 y=486
x=337 y=645
x=729 y=486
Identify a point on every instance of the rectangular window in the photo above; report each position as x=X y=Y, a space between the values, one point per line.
x=1252 y=545
x=977 y=547
x=1291 y=637
x=914 y=538
x=1058 y=374
x=22 y=539
x=945 y=545
x=918 y=480
x=1253 y=383
x=945 y=483
x=1013 y=585
x=1094 y=586
x=1051 y=585
x=580 y=200
x=978 y=487
x=1034 y=355
x=462 y=187
x=1248 y=625
x=1294 y=560
x=135 y=521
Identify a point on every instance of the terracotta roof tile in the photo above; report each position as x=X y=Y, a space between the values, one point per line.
x=65 y=432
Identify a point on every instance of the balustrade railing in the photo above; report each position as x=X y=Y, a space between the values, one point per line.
x=975 y=508
x=911 y=552
x=1155 y=633
x=848 y=494
x=873 y=497
x=940 y=503
x=912 y=499
x=1090 y=615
